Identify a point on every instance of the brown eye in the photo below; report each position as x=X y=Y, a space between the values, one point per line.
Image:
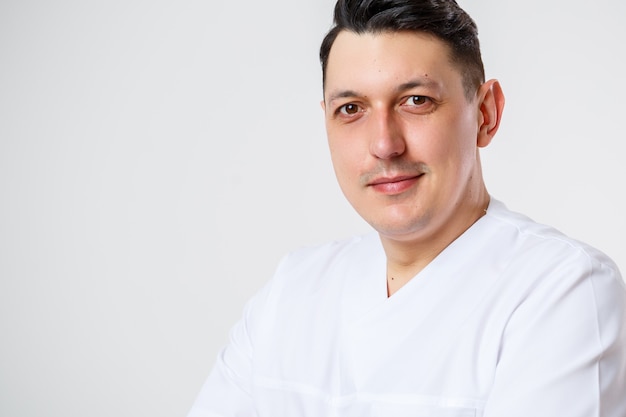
x=349 y=109
x=416 y=100
x=418 y=104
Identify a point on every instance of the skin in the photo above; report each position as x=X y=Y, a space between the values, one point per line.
x=404 y=140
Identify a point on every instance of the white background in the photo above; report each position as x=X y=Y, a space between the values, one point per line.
x=157 y=158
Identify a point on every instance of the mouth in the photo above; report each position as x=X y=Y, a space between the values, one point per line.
x=394 y=185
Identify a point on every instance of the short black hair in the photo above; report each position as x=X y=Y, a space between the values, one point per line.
x=443 y=19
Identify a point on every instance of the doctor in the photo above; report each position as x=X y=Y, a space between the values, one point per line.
x=454 y=306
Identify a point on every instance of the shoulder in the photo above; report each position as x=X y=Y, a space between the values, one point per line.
x=547 y=271
x=560 y=313
x=539 y=244
x=316 y=261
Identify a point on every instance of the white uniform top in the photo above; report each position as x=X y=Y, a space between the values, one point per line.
x=512 y=319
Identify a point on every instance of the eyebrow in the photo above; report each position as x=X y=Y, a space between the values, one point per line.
x=418 y=82
x=414 y=83
x=342 y=94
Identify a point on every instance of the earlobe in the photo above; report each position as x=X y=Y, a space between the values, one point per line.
x=491 y=102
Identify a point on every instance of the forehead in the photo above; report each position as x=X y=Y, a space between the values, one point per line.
x=387 y=59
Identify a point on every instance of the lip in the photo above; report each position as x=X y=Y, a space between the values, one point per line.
x=394 y=185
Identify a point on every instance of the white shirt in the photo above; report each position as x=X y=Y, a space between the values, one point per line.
x=512 y=319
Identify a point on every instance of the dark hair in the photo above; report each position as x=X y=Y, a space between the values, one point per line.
x=442 y=18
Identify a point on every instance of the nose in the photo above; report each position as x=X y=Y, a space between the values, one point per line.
x=387 y=140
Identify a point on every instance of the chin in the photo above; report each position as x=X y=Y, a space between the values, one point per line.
x=402 y=230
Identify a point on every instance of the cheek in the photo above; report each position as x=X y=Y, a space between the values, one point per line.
x=343 y=152
x=448 y=147
x=433 y=144
x=339 y=155
x=461 y=133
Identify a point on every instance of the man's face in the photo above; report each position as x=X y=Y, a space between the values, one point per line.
x=402 y=134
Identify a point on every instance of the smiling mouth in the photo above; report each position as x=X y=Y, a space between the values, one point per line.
x=394 y=185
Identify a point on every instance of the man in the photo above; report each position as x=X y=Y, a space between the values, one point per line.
x=455 y=306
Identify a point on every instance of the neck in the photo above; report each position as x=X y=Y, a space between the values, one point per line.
x=408 y=256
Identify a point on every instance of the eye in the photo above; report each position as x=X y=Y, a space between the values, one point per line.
x=416 y=101
x=418 y=105
x=349 y=109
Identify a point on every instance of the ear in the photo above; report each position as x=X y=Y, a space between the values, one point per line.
x=323 y=105
x=491 y=104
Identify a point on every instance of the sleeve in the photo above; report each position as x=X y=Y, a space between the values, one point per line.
x=563 y=352
x=227 y=390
